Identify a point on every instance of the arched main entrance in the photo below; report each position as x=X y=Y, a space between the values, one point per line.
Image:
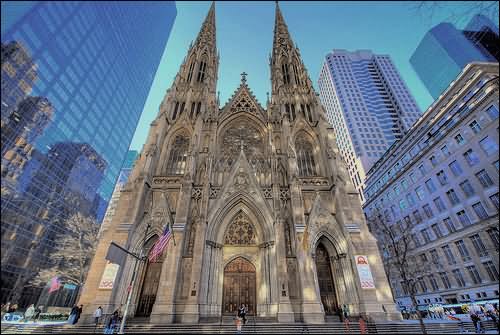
x=150 y=284
x=239 y=286
x=325 y=280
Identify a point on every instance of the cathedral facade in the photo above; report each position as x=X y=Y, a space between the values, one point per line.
x=259 y=201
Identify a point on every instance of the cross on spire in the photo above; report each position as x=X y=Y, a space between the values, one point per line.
x=244 y=77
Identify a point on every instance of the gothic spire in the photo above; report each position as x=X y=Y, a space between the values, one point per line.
x=282 y=41
x=206 y=36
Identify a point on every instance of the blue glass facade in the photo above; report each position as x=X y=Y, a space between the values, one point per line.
x=75 y=77
x=445 y=51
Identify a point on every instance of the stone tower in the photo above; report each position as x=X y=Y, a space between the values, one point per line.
x=262 y=209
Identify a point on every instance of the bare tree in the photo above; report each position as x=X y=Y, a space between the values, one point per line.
x=398 y=244
x=72 y=253
x=456 y=13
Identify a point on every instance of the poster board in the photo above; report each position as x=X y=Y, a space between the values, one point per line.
x=109 y=276
x=364 y=271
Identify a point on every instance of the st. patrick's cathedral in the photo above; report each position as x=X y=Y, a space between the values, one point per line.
x=259 y=201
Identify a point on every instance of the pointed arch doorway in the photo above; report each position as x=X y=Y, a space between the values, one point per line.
x=150 y=284
x=325 y=281
x=239 y=286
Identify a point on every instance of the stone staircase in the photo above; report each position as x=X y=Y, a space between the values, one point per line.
x=402 y=327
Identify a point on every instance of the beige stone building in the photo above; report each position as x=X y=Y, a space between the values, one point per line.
x=261 y=206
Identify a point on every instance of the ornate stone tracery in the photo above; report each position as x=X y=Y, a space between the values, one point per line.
x=240 y=231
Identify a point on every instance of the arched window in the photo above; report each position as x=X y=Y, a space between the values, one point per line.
x=292 y=109
x=191 y=69
x=198 y=108
x=305 y=157
x=178 y=155
x=174 y=115
x=287 y=111
x=309 y=113
x=182 y=108
x=191 y=114
x=296 y=74
x=286 y=75
x=201 y=71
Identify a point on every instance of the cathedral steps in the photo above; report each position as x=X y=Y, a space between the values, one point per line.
x=411 y=327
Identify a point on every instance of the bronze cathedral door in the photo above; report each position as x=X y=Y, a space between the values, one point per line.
x=149 y=288
x=239 y=286
x=325 y=280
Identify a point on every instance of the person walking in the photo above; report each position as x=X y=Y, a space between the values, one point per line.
x=30 y=313
x=242 y=313
x=362 y=325
x=239 y=324
x=476 y=320
x=97 y=315
x=38 y=310
x=72 y=315
x=110 y=324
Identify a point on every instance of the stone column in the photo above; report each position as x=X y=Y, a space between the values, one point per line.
x=350 y=279
x=312 y=309
x=285 y=311
x=164 y=307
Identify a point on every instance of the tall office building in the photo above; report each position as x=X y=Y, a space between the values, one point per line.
x=368 y=105
x=445 y=51
x=120 y=184
x=75 y=77
x=441 y=180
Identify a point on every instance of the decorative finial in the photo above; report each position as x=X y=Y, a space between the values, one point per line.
x=241 y=143
x=244 y=77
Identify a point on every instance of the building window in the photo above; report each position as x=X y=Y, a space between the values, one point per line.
x=455 y=168
x=446 y=152
x=417 y=216
x=476 y=128
x=437 y=230
x=433 y=160
x=428 y=211
x=452 y=196
x=491 y=270
x=423 y=286
x=480 y=211
x=435 y=257
x=422 y=170
x=484 y=178
x=459 y=139
x=448 y=222
x=496 y=164
x=445 y=280
x=201 y=71
x=471 y=157
x=426 y=235
x=489 y=146
x=462 y=248
x=174 y=115
x=286 y=75
x=449 y=255
x=411 y=200
x=494 y=200
x=494 y=236
x=178 y=156
x=474 y=274
x=433 y=282
x=459 y=277
x=443 y=179
x=305 y=157
x=420 y=193
x=402 y=204
x=467 y=188
x=492 y=112
x=463 y=218
x=190 y=73
x=430 y=185
x=439 y=204
x=479 y=245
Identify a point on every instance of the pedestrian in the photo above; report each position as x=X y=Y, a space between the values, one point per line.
x=476 y=320
x=30 y=313
x=242 y=313
x=78 y=313
x=362 y=325
x=72 y=315
x=110 y=324
x=345 y=312
x=5 y=309
x=239 y=324
x=97 y=315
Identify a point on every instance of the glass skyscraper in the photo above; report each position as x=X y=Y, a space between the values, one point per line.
x=75 y=77
x=445 y=51
x=368 y=105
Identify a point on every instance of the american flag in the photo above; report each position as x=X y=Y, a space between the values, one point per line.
x=55 y=284
x=160 y=245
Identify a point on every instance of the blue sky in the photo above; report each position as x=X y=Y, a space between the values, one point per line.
x=245 y=35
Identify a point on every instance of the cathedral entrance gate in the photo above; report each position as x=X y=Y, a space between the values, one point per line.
x=325 y=280
x=149 y=289
x=239 y=286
